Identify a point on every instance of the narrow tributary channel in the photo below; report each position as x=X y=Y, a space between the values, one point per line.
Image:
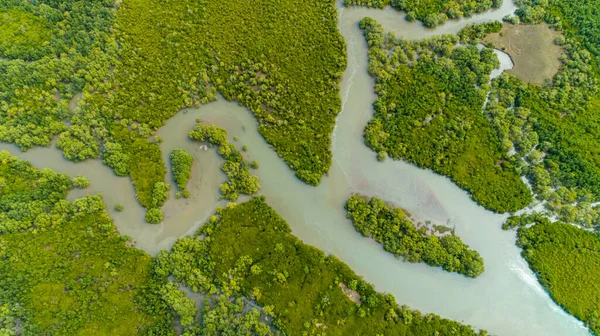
x=506 y=299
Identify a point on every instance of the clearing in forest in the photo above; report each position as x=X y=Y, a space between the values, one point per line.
x=532 y=48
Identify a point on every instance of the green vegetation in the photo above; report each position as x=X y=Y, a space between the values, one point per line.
x=567 y=262
x=181 y=165
x=229 y=317
x=235 y=166
x=267 y=58
x=584 y=18
x=81 y=181
x=428 y=112
x=554 y=130
x=183 y=306
x=473 y=33
x=432 y=12
x=77 y=278
x=23 y=35
x=119 y=207
x=260 y=54
x=163 y=61
x=64 y=268
x=251 y=55
x=248 y=250
x=35 y=95
x=29 y=196
x=392 y=228
x=48 y=50
x=129 y=89
x=154 y=216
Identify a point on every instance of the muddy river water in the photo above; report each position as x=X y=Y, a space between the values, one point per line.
x=506 y=299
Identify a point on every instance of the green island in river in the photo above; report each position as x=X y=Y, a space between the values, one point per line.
x=98 y=80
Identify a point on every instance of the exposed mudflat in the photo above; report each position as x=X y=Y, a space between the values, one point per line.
x=532 y=48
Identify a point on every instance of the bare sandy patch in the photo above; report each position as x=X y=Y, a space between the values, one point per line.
x=351 y=294
x=532 y=49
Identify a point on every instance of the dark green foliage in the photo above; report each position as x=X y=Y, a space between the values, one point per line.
x=394 y=230
x=248 y=250
x=473 y=33
x=47 y=51
x=235 y=166
x=584 y=18
x=531 y=11
x=75 y=278
x=137 y=67
x=229 y=317
x=564 y=169
x=81 y=181
x=181 y=165
x=30 y=197
x=291 y=87
x=432 y=12
x=266 y=57
x=522 y=220
x=567 y=262
x=428 y=112
x=64 y=268
x=555 y=129
x=154 y=216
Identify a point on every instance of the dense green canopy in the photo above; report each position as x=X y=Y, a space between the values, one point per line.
x=432 y=12
x=428 y=112
x=392 y=228
x=247 y=249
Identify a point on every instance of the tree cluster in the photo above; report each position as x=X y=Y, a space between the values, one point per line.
x=226 y=316
x=181 y=166
x=566 y=260
x=553 y=132
x=428 y=112
x=432 y=13
x=473 y=33
x=51 y=51
x=64 y=268
x=47 y=51
x=235 y=166
x=248 y=250
x=392 y=228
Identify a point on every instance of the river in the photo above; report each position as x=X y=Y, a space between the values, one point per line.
x=506 y=299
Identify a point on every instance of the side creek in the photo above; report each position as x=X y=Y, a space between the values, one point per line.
x=506 y=299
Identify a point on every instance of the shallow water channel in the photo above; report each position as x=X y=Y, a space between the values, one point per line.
x=506 y=299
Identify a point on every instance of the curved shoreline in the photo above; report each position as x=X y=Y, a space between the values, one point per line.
x=498 y=301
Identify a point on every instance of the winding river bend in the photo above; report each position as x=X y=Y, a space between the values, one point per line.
x=506 y=299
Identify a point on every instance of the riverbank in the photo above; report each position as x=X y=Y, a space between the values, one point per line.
x=506 y=299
